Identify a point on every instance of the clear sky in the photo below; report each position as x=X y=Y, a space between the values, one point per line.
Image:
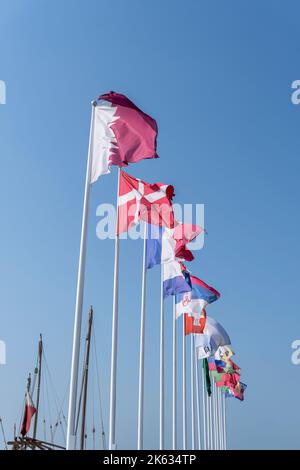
x=217 y=77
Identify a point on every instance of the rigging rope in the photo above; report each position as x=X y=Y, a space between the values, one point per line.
x=99 y=390
x=3 y=434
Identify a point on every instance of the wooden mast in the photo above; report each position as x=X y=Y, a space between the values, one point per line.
x=85 y=377
x=39 y=371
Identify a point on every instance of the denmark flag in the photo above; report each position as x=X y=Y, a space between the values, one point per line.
x=144 y=201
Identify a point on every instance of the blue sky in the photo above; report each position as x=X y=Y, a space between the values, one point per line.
x=217 y=77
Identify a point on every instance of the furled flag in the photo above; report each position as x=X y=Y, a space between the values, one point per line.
x=194 y=325
x=160 y=250
x=144 y=201
x=214 y=336
x=207 y=377
x=195 y=301
x=121 y=134
x=30 y=410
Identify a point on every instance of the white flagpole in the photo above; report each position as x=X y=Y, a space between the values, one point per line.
x=225 y=422
x=79 y=296
x=174 y=402
x=205 y=446
x=192 y=392
x=220 y=418
x=210 y=422
x=197 y=398
x=216 y=422
x=142 y=348
x=114 y=342
x=184 y=428
x=161 y=367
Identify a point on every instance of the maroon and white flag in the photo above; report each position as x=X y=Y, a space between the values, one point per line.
x=122 y=133
x=144 y=201
x=30 y=410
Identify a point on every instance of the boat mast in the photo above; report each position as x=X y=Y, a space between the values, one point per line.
x=85 y=377
x=39 y=371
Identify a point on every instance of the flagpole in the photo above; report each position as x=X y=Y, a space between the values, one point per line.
x=70 y=444
x=161 y=366
x=192 y=393
x=142 y=348
x=204 y=411
x=184 y=430
x=210 y=423
x=174 y=428
x=214 y=405
x=114 y=342
x=225 y=422
x=196 y=365
x=220 y=418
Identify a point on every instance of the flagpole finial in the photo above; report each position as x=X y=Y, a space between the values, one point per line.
x=94 y=102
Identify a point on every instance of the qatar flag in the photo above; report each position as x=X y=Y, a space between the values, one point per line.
x=30 y=410
x=143 y=201
x=121 y=134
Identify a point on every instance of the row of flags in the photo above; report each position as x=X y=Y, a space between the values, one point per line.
x=124 y=134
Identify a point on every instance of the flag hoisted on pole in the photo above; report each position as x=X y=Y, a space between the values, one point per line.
x=161 y=367
x=196 y=365
x=114 y=340
x=70 y=445
x=192 y=350
x=205 y=447
x=174 y=379
x=142 y=347
x=120 y=133
x=184 y=420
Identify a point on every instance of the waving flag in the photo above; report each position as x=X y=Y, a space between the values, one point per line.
x=224 y=353
x=160 y=249
x=122 y=134
x=195 y=301
x=214 y=336
x=144 y=201
x=30 y=410
x=194 y=325
x=169 y=244
x=174 y=282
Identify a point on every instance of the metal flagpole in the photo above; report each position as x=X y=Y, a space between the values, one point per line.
x=142 y=348
x=174 y=414
x=220 y=418
x=161 y=367
x=225 y=422
x=204 y=410
x=208 y=421
x=211 y=423
x=79 y=296
x=192 y=392
x=214 y=404
x=197 y=398
x=114 y=342
x=184 y=429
